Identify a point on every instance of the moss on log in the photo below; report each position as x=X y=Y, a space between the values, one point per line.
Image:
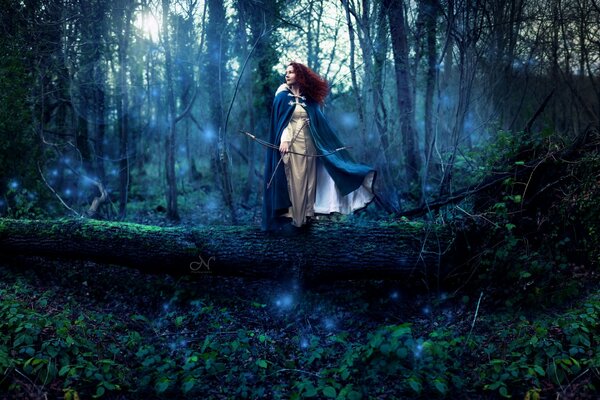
x=327 y=250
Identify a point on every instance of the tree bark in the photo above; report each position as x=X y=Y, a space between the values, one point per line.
x=410 y=146
x=123 y=34
x=171 y=192
x=215 y=76
x=430 y=11
x=327 y=251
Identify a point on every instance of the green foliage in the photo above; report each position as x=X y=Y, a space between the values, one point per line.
x=95 y=354
x=19 y=182
x=539 y=229
x=23 y=204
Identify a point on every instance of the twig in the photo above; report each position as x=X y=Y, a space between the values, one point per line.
x=56 y=194
x=540 y=109
x=530 y=177
x=298 y=370
x=574 y=379
x=480 y=216
x=474 y=318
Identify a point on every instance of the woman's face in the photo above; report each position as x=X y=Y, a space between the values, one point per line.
x=290 y=75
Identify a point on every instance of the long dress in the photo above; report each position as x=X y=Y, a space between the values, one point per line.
x=300 y=171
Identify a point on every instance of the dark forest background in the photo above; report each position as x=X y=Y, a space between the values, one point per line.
x=145 y=100
x=480 y=252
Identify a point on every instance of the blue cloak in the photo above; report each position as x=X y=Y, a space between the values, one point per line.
x=347 y=174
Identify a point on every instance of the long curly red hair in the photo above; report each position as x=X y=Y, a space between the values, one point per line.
x=310 y=83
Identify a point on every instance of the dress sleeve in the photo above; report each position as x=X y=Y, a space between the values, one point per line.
x=286 y=135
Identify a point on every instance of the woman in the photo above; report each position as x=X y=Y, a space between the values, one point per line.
x=310 y=174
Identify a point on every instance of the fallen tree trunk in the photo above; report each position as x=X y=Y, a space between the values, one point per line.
x=328 y=250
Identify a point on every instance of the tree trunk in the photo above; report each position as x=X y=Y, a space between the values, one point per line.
x=371 y=109
x=328 y=250
x=410 y=145
x=355 y=88
x=123 y=33
x=430 y=20
x=215 y=76
x=171 y=192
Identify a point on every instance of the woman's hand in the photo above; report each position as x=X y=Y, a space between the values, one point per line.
x=284 y=147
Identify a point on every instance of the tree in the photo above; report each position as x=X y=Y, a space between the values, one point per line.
x=405 y=101
x=259 y=80
x=123 y=28
x=369 y=95
x=171 y=192
x=428 y=13
x=215 y=81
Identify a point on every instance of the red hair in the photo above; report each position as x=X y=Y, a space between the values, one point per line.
x=311 y=85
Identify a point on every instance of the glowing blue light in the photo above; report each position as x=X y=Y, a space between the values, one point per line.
x=2 y=203
x=14 y=184
x=68 y=192
x=445 y=100
x=285 y=301
x=329 y=324
x=211 y=205
x=349 y=120
x=394 y=295
x=469 y=122
x=426 y=310
x=304 y=343
x=166 y=306
x=55 y=172
x=418 y=350
x=209 y=135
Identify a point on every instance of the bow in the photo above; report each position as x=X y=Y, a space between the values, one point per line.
x=272 y=146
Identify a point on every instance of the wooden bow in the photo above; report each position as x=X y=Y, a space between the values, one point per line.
x=275 y=147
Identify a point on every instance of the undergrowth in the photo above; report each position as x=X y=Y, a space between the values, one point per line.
x=83 y=335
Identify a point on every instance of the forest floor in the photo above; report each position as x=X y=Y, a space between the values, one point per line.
x=161 y=337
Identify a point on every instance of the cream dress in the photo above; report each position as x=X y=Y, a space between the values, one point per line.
x=300 y=171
